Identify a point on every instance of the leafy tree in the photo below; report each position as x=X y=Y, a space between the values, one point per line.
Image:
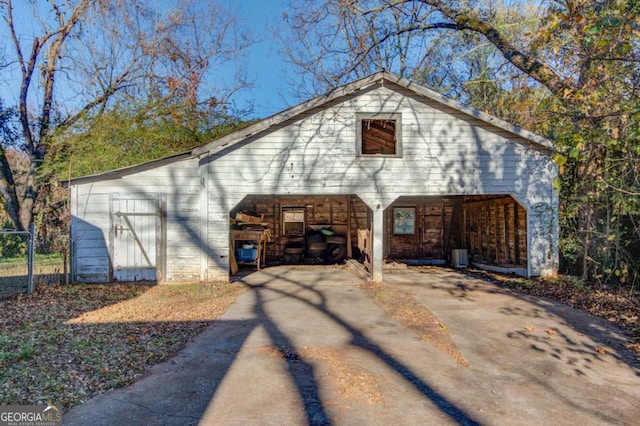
x=8 y=137
x=572 y=64
x=132 y=134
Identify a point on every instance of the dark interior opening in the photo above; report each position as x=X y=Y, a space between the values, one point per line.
x=378 y=136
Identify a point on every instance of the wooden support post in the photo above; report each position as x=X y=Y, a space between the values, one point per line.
x=349 y=249
x=488 y=230
x=480 y=233
x=465 y=229
x=331 y=200
x=377 y=236
x=442 y=226
x=516 y=233
x=507 y=247
x=463 y=224
x=496 y=233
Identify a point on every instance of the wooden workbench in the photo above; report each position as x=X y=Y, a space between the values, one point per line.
x=260 y=239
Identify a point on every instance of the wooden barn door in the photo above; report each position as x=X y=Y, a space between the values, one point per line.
x=136 y=238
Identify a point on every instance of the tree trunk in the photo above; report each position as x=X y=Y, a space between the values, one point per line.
x=8 y=192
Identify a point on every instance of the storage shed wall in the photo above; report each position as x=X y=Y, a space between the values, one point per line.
x=444 y=152
x=341 y=211
x=91 y=226
x=495 y=231
x=438 y=225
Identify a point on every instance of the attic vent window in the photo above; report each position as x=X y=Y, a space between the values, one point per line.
x=379 y=135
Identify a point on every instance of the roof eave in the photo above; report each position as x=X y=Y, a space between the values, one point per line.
x=223 y=142
x=287 y=114
x=124 y=171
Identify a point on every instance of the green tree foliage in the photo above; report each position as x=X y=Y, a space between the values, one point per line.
x=8 y=136
x=11 y=245
x=595 y=123
x=133 y=134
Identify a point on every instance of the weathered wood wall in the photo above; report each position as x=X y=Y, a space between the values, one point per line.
x=347 y=211
x=496 y=231
x=492 y=230
x=438 y=223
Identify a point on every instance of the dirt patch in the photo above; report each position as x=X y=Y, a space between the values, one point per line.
x=65 y=344
x=353 y=382
x=415 y=316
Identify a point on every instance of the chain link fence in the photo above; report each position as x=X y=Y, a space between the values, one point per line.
x=50 y=263
x=15 y=262
x=27 y=262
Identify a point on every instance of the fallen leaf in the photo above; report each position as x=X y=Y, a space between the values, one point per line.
x=600 y=350
x=551 y=331
x=132 y=339
x=529 y=328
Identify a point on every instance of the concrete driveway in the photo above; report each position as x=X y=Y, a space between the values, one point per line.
x=304 y=345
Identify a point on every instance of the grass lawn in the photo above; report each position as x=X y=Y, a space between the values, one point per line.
x=47 y=269
x=65 y=344
x=18 y=265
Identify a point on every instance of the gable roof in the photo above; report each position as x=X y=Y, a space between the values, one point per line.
x=380 y=77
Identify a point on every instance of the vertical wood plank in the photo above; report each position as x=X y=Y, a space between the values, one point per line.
x=498 y=233
x=349 y=248
x=517 y=232
x=507 y=248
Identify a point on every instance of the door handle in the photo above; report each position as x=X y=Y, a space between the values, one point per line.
x=115 y=232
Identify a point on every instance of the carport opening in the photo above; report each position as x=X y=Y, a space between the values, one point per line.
x=300 y=229
x=486 y=231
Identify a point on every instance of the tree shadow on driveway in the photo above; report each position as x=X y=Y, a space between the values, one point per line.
x=255 y=365
x=542 y=348
x=302 y=372
x=217 y=377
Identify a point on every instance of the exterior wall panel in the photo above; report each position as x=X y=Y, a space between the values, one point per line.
x=91 y=221
x=444 y=152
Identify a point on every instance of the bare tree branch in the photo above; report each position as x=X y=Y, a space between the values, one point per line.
x=106 y=50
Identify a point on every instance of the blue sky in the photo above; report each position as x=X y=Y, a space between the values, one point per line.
x=265 y=66
x=264 y=63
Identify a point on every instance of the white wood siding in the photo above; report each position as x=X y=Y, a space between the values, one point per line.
x=91 y=222
x=445 y=152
